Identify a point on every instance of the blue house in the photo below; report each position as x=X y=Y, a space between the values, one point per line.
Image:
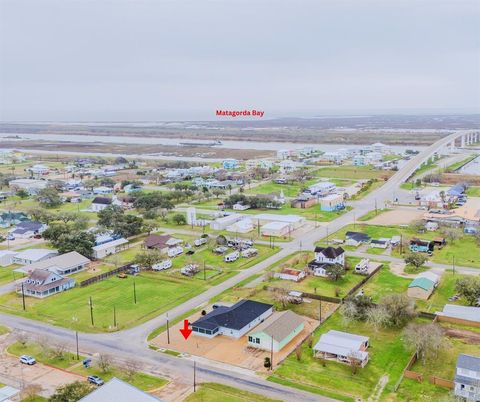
x=8 y=219
x=421 y=246
x=230 y=164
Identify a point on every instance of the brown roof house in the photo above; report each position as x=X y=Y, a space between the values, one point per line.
x=42 y=283
x=159 y=242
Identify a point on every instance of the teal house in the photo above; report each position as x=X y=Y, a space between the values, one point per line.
x=276 y=331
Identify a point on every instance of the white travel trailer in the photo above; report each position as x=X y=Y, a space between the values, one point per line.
x=200 y=242
x=249 y=252
x=362 y=267
x=165 y=264
x=232 y=257
x=174 y=251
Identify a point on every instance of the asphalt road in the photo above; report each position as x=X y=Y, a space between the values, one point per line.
x=131 y=343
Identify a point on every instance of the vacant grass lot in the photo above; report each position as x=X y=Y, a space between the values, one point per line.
x=7 y=274
x=352 y=172
x=474 y=191
x=385 y=283
x=373 y=214
x=211 y=392
x=156 y=293
x=388 y=356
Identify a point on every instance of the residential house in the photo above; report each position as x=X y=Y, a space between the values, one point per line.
x=303 y=201
x=6 y=257
x=132 y=188
x=117 y=390
x=100 y=203
x=325 y=257
x=356 y=238
x=380 y=243
x=38 y=169
x=467 y=377
x=240 y=207
x=64 y=264
x=381 y=148
x=457 y=190
x=289 y=274
x=283 y=154
x=276 y=331
x=126 y=202
x=274 y=197
x=43 y=282
x=112 y=247
x=7 y=393
x=421 y=246
x=288 y=166
x=28 y=229
x=342 y=347
x=230 y=164
x=234 y=321
x=321 y=188
x=102 y=190
x=8 y=219
x=31 y=186
x=34 y=255
x=295 y=221
x=332 y=202
x=158 y=242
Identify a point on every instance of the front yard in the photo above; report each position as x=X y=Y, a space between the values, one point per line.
x=388 y=357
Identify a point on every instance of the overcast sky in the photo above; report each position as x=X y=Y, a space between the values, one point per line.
x=106 y=60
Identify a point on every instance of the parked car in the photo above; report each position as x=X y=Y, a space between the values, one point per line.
x=95 y=379
x=10 y=237
x=26 y=359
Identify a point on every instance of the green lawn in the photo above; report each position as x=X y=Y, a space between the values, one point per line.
x=387 y=356
x=457 y=165
x=4 y=330
x=156 y=293
x=7 y=274
x=211 y=392
x=319 y=285
x=42 y=355
x=140 y=380
x=385 y=283
x=474 y=191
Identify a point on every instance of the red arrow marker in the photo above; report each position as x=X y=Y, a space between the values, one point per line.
x=185 y=330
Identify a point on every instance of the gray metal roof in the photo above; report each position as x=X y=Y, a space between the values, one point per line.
x=468 y=362
x=462 y=312
x=280 y=325
x=117 y=390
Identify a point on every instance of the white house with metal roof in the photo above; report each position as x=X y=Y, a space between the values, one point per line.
x=34 y=255
x=467 y=377
x=342 y=347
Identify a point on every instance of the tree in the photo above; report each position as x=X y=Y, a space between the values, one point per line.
x=451 y=234
x=416 y=259
x=399 y=307
x=71 y=392
x=377 y=317
x=131 y=368
x=49 y=197
x=148 y=258
x=109 y=215
x=335 y=271
x=104 y=362
x=66 y=217
x=469 y=288
x=425 y=339
x=22 y=338
x=221 y=240
x=355 y=360
x=417 y=225
x=81 y=242
x=179 y=219
x=22 y=194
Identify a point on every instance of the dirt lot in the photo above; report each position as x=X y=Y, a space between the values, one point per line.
x=468 y=336
x=228 y=350
x=398 y=216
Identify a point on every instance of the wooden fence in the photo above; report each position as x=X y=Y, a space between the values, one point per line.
x=315 y=296
x=441 y=382
x=458 y=321
x=104 y=275
x=363 y=281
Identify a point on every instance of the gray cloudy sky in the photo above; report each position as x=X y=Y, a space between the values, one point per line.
x=138 y=60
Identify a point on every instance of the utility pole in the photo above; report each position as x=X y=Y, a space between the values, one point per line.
x=168 y=331
x=134 y=292
x=204 y=273
x=114 y=317
x=76 y=339
x=401 y=243
x=194 y=376
x=271 y=355
x=354 y=222
x=376 y=211
x=453 y=264
x=23 y=297
x=91 y=311
x=326 y=227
